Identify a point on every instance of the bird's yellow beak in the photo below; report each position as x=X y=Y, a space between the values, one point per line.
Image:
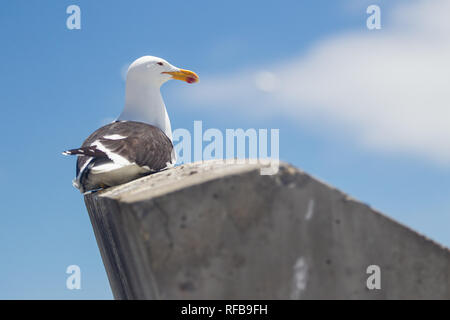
x=185 y=75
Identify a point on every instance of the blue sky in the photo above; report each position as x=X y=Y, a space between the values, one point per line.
x=380 y=138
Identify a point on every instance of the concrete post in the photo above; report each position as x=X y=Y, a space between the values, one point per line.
x=224 y=231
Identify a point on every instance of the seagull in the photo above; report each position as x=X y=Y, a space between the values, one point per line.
x=139 y=142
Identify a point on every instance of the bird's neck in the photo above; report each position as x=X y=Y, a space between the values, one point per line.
x=144 y=103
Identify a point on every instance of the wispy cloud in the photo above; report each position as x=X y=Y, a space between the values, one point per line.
x=390 y=89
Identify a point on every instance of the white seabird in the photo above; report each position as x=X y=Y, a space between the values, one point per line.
x=139 y=142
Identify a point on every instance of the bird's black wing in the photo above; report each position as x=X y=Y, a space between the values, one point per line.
x=137 y=142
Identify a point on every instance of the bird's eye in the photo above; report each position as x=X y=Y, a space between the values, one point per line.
x=159 y=63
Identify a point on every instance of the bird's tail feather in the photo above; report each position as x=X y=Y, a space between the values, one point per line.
x=85 y=151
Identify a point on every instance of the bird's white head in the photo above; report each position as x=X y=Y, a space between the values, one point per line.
x=143 y=100
x=156 y=71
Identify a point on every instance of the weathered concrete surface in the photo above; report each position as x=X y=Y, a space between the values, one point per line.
x=215 y=231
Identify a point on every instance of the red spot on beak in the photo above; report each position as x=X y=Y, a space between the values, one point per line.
x=190 y=80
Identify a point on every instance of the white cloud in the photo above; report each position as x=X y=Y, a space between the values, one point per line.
x=390 y=88
x=266 y=81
